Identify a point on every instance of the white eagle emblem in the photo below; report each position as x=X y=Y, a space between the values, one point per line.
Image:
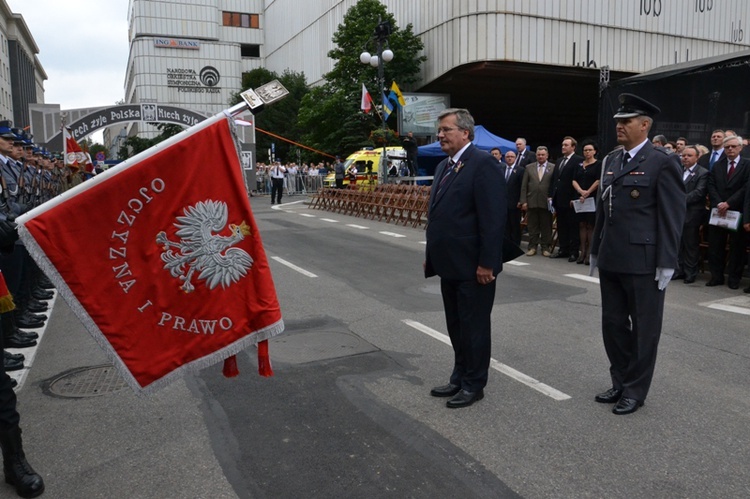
x=200 y=250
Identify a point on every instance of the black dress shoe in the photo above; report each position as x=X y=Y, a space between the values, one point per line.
x=573 y=257
x=609 y=397
x=12 y=365
x=715 y=282
x=690 y=280
x=448 y=390
x=560 y=254
x=29 y=323
x=35 y=307
x=746 y=290
x=13 y=340
x=464 y=399
x=733 y=285
x=14 y=356
x=678 y=275
x=626 y=406
x=42 y=294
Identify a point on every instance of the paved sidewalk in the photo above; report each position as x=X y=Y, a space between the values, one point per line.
x=110 y=444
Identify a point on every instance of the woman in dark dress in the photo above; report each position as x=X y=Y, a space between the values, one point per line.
x=585 y=182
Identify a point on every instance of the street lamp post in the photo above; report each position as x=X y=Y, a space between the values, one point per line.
x=382 y=32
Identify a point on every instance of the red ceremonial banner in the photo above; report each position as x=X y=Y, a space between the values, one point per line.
x=167 y=270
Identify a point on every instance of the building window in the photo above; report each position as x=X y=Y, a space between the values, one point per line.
x=240 y=20
x=248 y=50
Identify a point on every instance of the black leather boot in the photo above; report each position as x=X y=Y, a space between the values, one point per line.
x=18 y=472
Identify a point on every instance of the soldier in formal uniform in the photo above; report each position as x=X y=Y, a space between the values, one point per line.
x=639 y=221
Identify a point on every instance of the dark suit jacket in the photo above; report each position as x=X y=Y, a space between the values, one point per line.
x=642 y=229
x=696 y=188
x=533 y=191
x=731 y=191
x=466 y=219
x=514 y=186
x=706 y=158
x=528 y=157
x=561 y=187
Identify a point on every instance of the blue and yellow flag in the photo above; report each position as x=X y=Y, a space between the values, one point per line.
x=387 y=106
x=396 y=92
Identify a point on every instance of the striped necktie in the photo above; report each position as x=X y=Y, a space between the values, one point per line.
x=446 y=174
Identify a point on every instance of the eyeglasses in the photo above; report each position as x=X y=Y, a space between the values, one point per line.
x=446 y=129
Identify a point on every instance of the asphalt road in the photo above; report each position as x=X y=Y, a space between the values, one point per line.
x=348 y=412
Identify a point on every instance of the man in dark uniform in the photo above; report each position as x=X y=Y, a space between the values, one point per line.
x=466 y=222
x=639 y=221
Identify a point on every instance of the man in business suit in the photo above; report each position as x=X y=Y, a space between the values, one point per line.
x=465 y=226
x=523 y=155
x=708 y=161
x=561 y=193
x=513 y=179
x=695 y=178
x=534 y=201
x=639 y=219
x=726 y=191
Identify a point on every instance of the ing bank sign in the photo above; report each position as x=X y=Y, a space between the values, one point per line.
x=187 y=80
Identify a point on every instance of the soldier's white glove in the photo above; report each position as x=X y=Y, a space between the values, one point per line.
x=592 y=263
x=663 y=276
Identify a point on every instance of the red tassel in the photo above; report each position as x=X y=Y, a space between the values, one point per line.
x=230 y=367
x=264 y=361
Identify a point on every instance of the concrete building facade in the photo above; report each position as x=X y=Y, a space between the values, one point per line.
x=21 y=74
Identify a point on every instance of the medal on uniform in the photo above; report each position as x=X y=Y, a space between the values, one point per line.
x=635 y=194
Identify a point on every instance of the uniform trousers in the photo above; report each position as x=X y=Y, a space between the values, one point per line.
x=9 y=417
x=468 y=306
x=539 y=225
x=277 y=189
x=632 y=311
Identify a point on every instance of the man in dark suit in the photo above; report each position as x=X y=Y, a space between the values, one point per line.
x=513 y=179
x=695 y=178
x=639 y=219
x=708 y=161
x=726 y=191
x=465 y=226
x=561 y=193
x=523 y=155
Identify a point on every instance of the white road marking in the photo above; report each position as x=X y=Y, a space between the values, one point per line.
x=730 y=308
x=293 y=266
x=391 y=234
x=498 y=366
x=30 y=352
x=362 y=227
x=582 y=277
x=517 y=263
x=330 y=220
x=308 y=215
x=422 y=242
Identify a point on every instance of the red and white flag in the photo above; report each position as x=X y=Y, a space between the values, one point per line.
x=367 y=103
x=168 y=271
x=74 y=155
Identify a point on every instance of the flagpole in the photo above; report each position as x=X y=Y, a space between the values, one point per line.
x=61 y=198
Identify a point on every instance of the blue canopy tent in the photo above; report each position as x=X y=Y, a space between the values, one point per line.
x=430 y=155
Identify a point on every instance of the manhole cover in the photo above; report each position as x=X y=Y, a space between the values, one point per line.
x=87 y=382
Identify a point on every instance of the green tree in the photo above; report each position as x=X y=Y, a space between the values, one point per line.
x=280 y=118
x=330 y=114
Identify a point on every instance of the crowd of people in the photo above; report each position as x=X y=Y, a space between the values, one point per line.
x=30 y=176
x=563 y=194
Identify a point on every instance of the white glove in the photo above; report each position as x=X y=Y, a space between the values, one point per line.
x=663 y=276
x=592 y=263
